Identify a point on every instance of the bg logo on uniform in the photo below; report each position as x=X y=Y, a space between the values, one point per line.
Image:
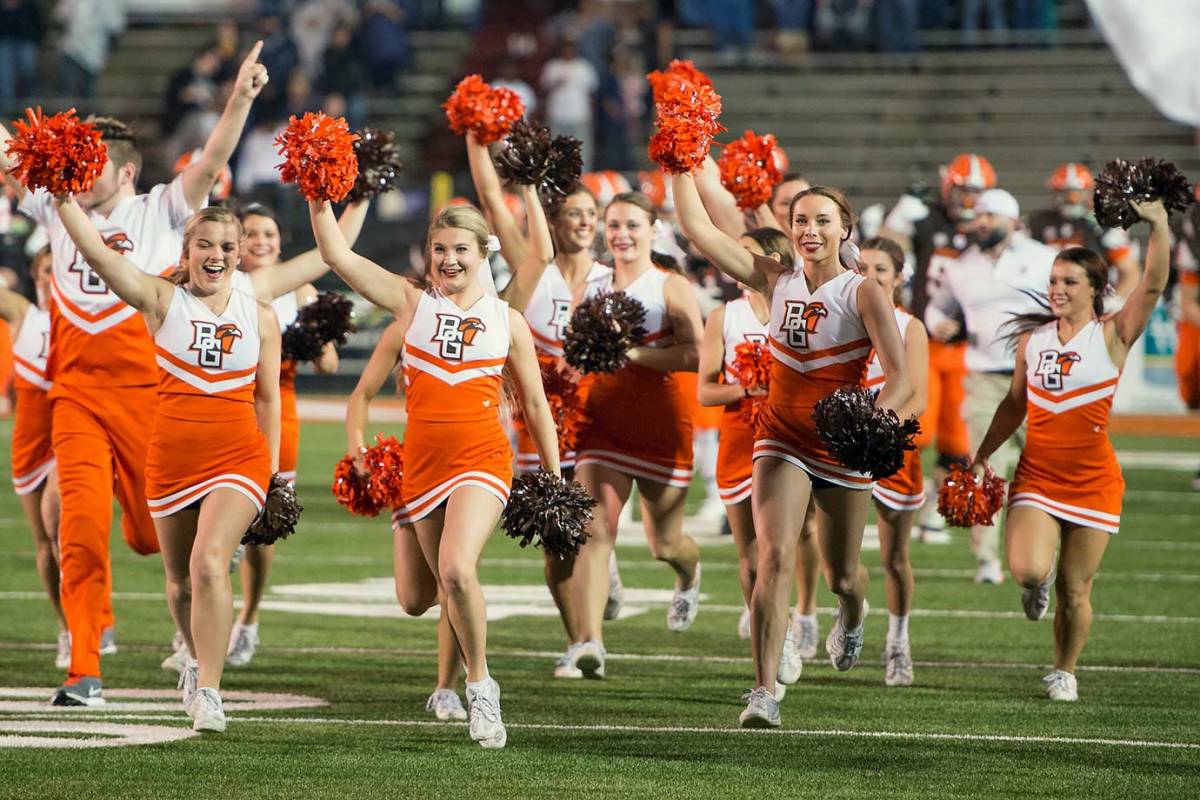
x=801 y=319
x=1053 y=365
x=212 y=342
x=454 y=333
x=561 y=317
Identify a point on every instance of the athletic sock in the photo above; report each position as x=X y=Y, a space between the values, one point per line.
x=897 y=627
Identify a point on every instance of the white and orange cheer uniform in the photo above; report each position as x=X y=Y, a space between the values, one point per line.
x=32 y=448
x=287 y=308
x=453 y=364
x=639 y=420
x=548 y=314
x=206 y=435
x=819 y=344
x=735 y=451
x=903 y=490
x=1068 y=467
x=102 y=366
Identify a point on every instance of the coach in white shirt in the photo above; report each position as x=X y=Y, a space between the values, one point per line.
x=1001 y=274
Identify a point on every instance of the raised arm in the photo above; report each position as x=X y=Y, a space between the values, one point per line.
x=280 y=279
x=381 y=364
x=710 y=391
x=527 y=376
x=201 y=174
x=383 y=288
x=880 y=322
x=724 y=252
x=147 y=293
x=684 y=313
x=721 y=207
x=526 y=263
x=1131 y=320
x=1009 y=414
x=267 y=405
x=12 y=308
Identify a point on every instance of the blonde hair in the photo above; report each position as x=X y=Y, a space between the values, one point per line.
x=465 y=218
x=207 y=214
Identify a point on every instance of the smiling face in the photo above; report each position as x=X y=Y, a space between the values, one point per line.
x=261 y=247
x=878 y=266
x=1070 y=291
x=817 y=228
x=454 y=258
x=575 y=223
x=628 y=232
x=211 y=252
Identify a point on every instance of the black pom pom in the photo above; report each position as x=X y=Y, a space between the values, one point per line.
x=327 y=319
x=602 y=330
x=531 y=158
x=549 y=512
x=861 y=436
x=379 y=164
x=279 y=515
x=1121 y=183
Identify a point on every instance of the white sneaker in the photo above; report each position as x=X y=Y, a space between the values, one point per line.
x=589 y=658
x=780 y=691
x=206 y=711
x=445 y=705
x=189 y=683
x=243 y=641
x=807 y=636
x=616 y=589
x=565 y=666
x=743 y=628
x=1036 y=601
x=898 y=664
x=762 y=709
x=179 y=655
x=108 y=641
x=684 y=606
x=844 y=647
x=990 y=572
x=62 y=659
x=712 y=509
x=931 y=535
x=483 y=703
x=790 y=664
x=1061 y=686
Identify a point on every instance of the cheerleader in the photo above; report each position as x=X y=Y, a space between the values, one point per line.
x=639 y=428
x=898 y=497
x=457 y=460
x=416 y=583
x=33 y=475
x=215 y=437
x=542 y=289
x=1067 y=492
x=825 y=319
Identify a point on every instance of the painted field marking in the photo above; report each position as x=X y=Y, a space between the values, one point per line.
x=30 y=699
x=40 y=733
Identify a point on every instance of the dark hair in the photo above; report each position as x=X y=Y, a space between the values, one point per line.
x=788 y=177
x=667 y=263
x=773 y=241
x=1094 y=266
x=830 y=193
x=889 y=248
x=120 y=141
x=256 y=210
x=555 y=211
x=634 y=199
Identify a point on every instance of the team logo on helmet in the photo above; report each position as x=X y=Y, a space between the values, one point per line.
x=1053 y=366
x=212 y=342
x=801 y=319
x=454 y=333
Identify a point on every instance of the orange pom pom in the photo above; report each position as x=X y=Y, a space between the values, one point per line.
x=687 y=112
x=350 y=489
x=752 y=368
x=477 y=106
x=59 y=154
x=385 y=462
x=319 y=156
x=965 y=501
x=749 y=169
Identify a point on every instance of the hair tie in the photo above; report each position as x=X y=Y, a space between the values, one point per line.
x=849 y=254
x=493 y=243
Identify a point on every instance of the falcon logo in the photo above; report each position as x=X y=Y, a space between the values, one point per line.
x=213 y=342
x=801 y=319
x=1053 y=366
x=455 y=333
x=560 y=317
x=89 y=281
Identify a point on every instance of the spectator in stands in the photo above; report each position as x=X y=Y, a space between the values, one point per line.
x=312 y=24
x=509 y=77
x=279 y=56
x=256 y=172
x=570 y=83
x=192 y=108
x=612 y=115
x=384 y=41
x=342 y=73
x=21 y=30
x=732 y=23
x=793 y=19
x=228 y=44
x=974 y=12
x=89 y=27
x=897 y=22
x=299 y=94
x=842 y=24
x=1038 y=17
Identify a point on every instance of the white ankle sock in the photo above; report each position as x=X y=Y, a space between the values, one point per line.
x=897 y=627
x=810 y=619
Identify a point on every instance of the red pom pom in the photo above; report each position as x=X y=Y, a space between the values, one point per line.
x=489 y=112
x=385 y=462
x=749 y=169
x=566 y=405
x=59 y=154
x=688 y=112
x=319 y=156
x=965 y=501
x=752 y=368
x=350 y=489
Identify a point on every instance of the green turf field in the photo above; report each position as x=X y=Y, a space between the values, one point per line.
x=663 y=725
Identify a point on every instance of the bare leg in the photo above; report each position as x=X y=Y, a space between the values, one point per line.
x=47 y=561
x=1030 y=540
x=176 y=534
x=559 y=581
x=663 y=508
x=611 y=490
x=808 y=561
x=417 y=591
x=741 y=523
x=256 y=568
x=895 y=530
x=1082 y=551
x=842 y=515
